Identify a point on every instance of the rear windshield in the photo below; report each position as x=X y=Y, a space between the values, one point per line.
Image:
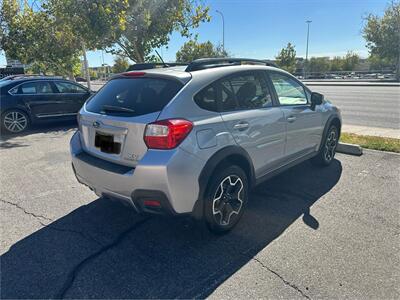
x=133 y=96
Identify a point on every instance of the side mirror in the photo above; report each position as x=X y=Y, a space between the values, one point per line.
x=316 y=99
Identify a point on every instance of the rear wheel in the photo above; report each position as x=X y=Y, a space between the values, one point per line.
x=328 y=148
x=14 y=121
x=226 y=199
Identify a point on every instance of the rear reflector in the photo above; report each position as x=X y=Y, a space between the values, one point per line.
x=152 y=203
x=134 y=74
x=166 y=134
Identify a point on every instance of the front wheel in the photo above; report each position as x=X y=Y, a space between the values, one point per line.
x=226 y=198
x=15 y=121
x=328 y=148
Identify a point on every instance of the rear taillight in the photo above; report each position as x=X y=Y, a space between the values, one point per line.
x=166 y=134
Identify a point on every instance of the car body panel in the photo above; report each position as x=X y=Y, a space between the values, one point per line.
x=128 y=131
x=42 y=106
x=263 y=139
x=270 y=141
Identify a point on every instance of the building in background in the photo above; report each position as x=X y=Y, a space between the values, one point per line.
x=13 y=63
x=13 y=67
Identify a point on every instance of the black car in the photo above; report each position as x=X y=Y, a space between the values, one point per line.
x=26 y=100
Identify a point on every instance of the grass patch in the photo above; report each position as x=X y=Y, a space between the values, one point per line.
x=372 y=142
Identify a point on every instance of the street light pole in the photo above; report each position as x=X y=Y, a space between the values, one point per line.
x=223 y=29
x=308 y=36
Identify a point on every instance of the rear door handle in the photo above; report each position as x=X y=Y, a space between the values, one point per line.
x=241 y=126
x=291 y=119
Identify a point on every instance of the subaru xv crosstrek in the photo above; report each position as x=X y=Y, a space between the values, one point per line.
x=195 y=139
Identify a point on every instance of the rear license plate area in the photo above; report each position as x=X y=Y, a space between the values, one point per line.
x=106 y=144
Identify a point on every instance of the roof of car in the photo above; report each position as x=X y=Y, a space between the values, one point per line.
x=180 y=72
x=21 y=79
x=198 y=68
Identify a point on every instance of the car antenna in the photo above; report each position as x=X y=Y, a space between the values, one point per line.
x=165 y=65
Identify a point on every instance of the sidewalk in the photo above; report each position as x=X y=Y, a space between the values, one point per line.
x=351 y=83
x=372 y=131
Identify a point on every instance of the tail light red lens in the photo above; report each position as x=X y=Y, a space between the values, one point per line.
x=152 y=203
x=166 y=134
x=134 y=74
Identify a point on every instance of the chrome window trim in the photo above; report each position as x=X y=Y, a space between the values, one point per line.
x=56 y=115
x=18 y=85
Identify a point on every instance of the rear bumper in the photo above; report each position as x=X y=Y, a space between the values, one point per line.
x=161 y=175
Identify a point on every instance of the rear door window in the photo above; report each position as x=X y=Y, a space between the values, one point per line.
x=133 y=97
x=32 y=88
x=69 y=88
x=251 y=91
x=238 y=92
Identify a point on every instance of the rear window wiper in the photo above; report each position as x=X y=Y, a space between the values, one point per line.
x=111 y=108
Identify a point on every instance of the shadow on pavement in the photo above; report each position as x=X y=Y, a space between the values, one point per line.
x=12 y=140
x=104 y=250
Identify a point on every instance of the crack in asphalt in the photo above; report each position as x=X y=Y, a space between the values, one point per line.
x=50 y=226
x=281 y=278
x=75 y=271
x=28 y=212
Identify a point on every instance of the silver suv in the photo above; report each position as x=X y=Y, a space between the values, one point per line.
x=195 y=139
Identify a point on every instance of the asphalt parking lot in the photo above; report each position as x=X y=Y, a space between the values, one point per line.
x=308 y=233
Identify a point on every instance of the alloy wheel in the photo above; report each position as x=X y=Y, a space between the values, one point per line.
x=330 y=145
x=15 y=121
x=227 y=199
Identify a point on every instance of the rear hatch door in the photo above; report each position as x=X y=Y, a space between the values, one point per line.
x=113 y=121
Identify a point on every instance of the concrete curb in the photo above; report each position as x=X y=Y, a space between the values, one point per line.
x=349 y=149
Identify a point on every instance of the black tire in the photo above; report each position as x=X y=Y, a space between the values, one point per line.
x=327 y=150
x=14 y=121
x=226 y=198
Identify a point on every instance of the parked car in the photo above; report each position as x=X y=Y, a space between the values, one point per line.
x=195 y=139
x=80 y=79
x=26 y=100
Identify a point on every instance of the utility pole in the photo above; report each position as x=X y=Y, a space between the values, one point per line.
x=223 y=29
x=102 y=63
x=306 y=62
x=86 y=66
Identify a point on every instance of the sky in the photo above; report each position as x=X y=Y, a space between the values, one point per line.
x=260 y=28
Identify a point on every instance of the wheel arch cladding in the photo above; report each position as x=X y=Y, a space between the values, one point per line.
x=231 y=155
x=332 y=120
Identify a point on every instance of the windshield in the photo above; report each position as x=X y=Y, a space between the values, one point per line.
x=133 y=97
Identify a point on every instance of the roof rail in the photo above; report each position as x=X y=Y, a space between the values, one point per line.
x=206 y=63
x=146 y=66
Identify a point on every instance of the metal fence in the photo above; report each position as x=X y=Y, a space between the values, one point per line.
x=350 y=75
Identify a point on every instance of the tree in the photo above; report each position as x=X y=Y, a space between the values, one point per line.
x=35 y=37
x=96 y=24
x=192 y=50
x=382 y=35
x=336 y=64
x=286 y=58
x=151 y=22
x=121 y=64
x=350 y=60
x=319 y=64
x=377 y=63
